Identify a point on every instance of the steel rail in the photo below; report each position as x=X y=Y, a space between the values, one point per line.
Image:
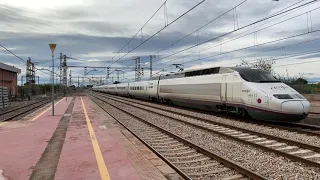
x=216 y=157
x=11 y=110
x=25 y=111
x=182 y=174
x=295 y=158
x=293 y=127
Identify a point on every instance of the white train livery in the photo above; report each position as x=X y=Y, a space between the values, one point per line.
x=240 y=90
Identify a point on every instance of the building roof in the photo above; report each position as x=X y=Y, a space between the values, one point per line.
x=10 y=68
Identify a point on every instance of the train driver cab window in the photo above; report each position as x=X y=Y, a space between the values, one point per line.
x=256 y=75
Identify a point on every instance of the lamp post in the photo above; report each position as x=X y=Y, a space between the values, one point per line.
x=52 y=47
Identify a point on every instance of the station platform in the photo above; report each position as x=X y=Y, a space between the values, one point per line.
x=79 y=142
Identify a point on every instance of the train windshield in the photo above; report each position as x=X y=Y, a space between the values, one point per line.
x=256 y=75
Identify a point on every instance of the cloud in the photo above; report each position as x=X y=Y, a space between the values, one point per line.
x=92 y=32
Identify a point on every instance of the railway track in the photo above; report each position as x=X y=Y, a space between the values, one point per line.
x=186 y=158
x=295 y=150
x=295 y=127
x=303 y=128
x=13 y=113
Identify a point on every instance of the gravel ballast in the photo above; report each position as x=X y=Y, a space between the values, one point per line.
x=307 y=139
x=267 y=164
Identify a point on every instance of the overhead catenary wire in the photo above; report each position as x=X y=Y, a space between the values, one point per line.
x=201 y=27
x=274 y=41
x=163 y=4
x=274 y=14
x=158 y=31
x=283 y=11
x=230 y=32
x=239 y=57
x=269 y=42
x=286 y=57
x=241 y=35
x=23 y=59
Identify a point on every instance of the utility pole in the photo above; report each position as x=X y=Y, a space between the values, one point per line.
x=78 y=81
x=108 y=72
x=64 y=76
x=142 y=73
x=150 y=66
x=30 y=76
x=61 y=67
x=82 y=81
x=70 y=78
x=137 y=70
x=118 y=74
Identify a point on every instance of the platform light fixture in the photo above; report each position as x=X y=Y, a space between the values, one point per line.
x=52 y=47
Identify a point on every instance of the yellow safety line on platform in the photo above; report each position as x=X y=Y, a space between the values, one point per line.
x=3 y=123
x=102 y=166
x=35 y=118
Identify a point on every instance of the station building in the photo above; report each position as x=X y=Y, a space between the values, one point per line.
x=9 y=78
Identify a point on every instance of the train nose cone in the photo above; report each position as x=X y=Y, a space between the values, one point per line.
x=306 y=106
x=294 y=107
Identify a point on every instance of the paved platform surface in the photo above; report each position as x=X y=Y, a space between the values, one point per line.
x=79 y=142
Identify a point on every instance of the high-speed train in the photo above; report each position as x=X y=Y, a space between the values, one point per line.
x=240 y=90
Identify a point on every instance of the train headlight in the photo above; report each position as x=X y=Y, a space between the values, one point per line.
x=282 y=96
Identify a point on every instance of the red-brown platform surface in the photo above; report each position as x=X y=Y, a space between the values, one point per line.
x=23 y=142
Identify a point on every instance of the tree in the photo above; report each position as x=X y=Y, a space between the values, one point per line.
x=292 y=80
x=265 y=64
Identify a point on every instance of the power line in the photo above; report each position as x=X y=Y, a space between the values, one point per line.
x=282 y=47
x=241 y=34
x=159 y=31
x=201 y=27
x=307 y=62
x=304 y=53
x=289 y=56
x=139 y=30
x=286 y=56
x=274 y=41
x=13 y=53
x=230 y=32
x=21 y=58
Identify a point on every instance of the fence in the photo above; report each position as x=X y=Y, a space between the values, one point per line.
x=4 y=100
x=307 y=88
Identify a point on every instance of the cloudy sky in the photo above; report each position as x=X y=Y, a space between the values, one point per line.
x=93 y=32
